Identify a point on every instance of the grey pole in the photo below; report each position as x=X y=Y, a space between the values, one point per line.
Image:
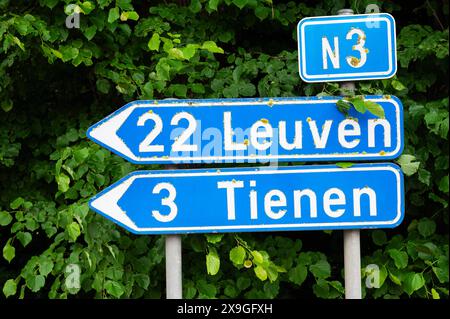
x=352 y=249
x=174 y=283
x=173 y=267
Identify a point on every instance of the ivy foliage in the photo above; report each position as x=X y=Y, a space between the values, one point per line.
x=56 y=81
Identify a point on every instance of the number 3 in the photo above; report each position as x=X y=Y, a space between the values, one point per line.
x=168 y=201
x=354 y=61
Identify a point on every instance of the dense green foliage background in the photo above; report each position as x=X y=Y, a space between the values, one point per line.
x=55 y=82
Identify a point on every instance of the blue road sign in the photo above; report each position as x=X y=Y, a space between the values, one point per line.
x=250 y=130
x=255 y=199
x=347 y=47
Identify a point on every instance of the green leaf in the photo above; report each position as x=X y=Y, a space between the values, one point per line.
x=443 y=184
x=396 y=84
x=212 y=47
x=413 y=282
x=400 y=258
x=359 y=104
x=80 y=155
x=343 y=107
x=35 y=282
x=153 y=43
x=321 y=269
x=262 y=12
x=90 y=32
x=17 y=203
x=198 y=88
x=129 y=15
x=68 y=53
x=426 y=227
x=45 y=266
x=212 y=261
x=7 y=105
x=408 y=166
x=176 y=53
x=395 y=279
x=50 y=3
x=212 y=4
x=5 y=218
x=124 y=4
x=441 y=270
x=195 y=6
x=24 y=238
x=9 y=288
x=63 y=182
x=321 y=289
x=379 y=237
x=87 y=7
x=113 y=14
x=114 y=288
x=344 y=164
x=435 y=294
x=243 y=283
x=206 y=289
x=179 y=90
x=260 y=272
x=374 y=108
x=189 y=51
x=257 y=257
x=73 y=229
x=214 y=238
x=9 y=252
x=298 y=274
x=240 y=3
x=237 y=255
x=142 y=280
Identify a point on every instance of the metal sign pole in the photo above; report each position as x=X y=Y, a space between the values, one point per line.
x=173 y=267
x=174 y=285
x=352 y=250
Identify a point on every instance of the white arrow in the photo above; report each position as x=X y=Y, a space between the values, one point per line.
x=105 y=132
x=106 y=204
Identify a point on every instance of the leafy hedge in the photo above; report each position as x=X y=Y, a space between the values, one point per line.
x=55 y=82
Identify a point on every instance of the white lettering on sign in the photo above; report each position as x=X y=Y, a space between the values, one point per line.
x=262 y=135
x=178 y=145
x=168 y=201
x=371 y=124
x=277 y=204
x=145 y=145
x=297 y=143
x=228 y=135
x=344 y=132
x=320 y=141
x=230 y=186
x=256 y=133
x=354 y=62
x=269 y=202
x=328 y=202
x=333 y=53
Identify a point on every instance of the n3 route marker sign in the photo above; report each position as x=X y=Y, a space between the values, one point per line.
x=250 y=130
x=347 y=47
x=255 y=199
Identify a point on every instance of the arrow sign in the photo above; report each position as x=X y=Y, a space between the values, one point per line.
x=250 y=130
x=347 y=47
x=255 y=199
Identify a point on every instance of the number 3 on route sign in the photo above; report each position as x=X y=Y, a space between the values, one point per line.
x=347 y=47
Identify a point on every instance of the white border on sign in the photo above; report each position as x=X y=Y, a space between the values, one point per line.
x=311 y=78
x=106 y=203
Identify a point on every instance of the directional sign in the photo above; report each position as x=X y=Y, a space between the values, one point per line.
x=255 y=199
x=250 y=130
x=347 y=47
